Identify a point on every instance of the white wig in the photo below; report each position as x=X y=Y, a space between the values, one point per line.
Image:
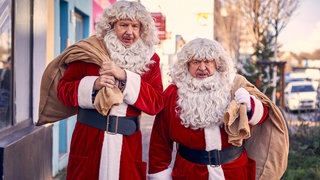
x=201 y=49
x=122 y=10
x=202 y=102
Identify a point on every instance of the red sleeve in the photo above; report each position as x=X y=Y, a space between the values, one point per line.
x=161 y=145
x=150 y=98
x=67 y=89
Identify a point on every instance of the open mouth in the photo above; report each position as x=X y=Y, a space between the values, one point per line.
x=202 y=75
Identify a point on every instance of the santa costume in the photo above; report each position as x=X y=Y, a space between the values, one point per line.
x=95 y=153
x=194 y=126
x=167 y=130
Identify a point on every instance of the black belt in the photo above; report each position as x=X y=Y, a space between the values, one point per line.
x=111 y=124
x=213 y=157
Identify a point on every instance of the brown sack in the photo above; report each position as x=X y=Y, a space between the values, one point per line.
x=90 y=50
x=268 y=144
x=236 y=126
x=103 y=101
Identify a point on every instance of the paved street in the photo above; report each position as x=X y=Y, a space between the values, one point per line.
x=146 y=126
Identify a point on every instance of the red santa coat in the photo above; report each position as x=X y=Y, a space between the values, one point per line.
x=95 y=154
x=167 y=129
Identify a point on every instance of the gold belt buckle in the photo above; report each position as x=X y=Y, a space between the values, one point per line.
x=107 y=128
x=219 y=162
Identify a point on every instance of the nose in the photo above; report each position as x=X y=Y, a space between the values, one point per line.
x=129 y=30
x=202 y=65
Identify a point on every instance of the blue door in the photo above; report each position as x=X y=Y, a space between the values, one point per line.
x=63 y=44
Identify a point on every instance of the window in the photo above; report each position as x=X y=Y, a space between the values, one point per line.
x=305 y=88
x=79 y=27
x=16 y=46
x=5 y=64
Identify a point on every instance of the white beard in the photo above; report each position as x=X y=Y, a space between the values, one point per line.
x=203 y=102
x=135 y=58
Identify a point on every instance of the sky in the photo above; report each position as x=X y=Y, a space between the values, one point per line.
x=302 y=33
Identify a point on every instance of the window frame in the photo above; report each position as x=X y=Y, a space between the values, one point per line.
x=22 y=66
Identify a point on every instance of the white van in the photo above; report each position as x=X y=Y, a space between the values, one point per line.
x=300 y=95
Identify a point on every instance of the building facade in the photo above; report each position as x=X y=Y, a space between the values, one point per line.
x=25 y=150
x=32 y=33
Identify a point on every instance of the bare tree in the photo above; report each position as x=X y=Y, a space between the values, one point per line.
x=316 y=54
x=227 y=20
x=267 y=18
x=281 y=12
x=264 y=20
x=256 y=14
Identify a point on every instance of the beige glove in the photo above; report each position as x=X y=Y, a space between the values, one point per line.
x=236 y=123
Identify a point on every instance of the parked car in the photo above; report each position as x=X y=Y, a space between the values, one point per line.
x=300 y=95
x=288 y=80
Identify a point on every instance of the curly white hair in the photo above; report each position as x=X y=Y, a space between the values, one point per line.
x=128 y=10
x=201 y=48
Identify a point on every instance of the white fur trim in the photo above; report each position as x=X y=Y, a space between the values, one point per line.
x=213 y=141
x=85 y=92
x=132 y=89
x=120 y=110
x=258 y=111
x=215 y=173
x=110 y=157
x=162 y=175
x=213 y=138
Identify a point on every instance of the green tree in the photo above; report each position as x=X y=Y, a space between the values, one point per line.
x=256 y=68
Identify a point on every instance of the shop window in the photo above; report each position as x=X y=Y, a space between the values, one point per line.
x=5 y=64
x=16 y=65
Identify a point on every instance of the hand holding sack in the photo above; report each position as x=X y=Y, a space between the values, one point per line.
x=106 y=98
x=243 y=96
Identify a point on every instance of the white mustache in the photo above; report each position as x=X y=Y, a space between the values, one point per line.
x=206 y=72
x=127 y=37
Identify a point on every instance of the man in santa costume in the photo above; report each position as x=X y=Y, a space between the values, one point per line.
x=111 y=78
x=219 y=122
